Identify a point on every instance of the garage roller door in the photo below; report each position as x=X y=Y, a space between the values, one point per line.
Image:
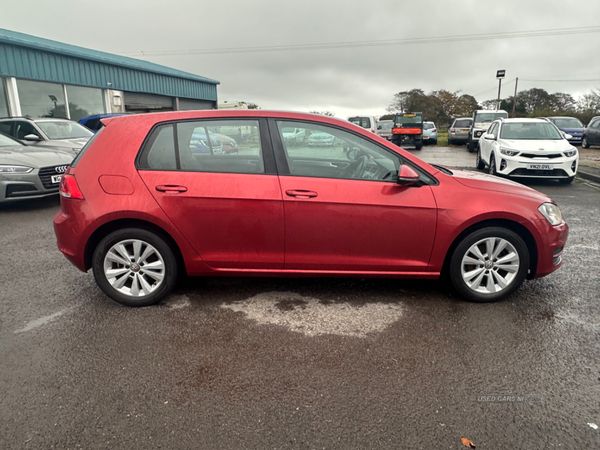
x=140 y=101
x=188 y=104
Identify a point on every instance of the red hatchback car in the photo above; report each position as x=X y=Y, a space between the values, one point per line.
x=138 y=207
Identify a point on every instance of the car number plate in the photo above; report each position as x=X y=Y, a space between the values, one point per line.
x=56 y=178
x=464 y=130
x=539 y=166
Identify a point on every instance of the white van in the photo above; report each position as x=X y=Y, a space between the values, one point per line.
x=366 y=122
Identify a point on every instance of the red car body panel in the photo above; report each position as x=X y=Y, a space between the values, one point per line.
x=248 y=224
x=362 y=226
x=231 y=220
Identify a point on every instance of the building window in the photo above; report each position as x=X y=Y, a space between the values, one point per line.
x=41 y=99
x=84 y=101
x=3 y=99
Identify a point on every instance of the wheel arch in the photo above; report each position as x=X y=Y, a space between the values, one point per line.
x=516 y=227
x=104 y=230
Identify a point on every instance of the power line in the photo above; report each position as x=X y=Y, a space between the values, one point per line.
x=591 y=79
x=494 y=88
x=415 y=41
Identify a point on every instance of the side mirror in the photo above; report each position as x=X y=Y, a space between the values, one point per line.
x=567 y=136
x=489 y=136
x=407 y=176
x=32 y=137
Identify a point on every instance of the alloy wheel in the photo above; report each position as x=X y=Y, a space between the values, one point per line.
x=134 y=268
x=490 y=265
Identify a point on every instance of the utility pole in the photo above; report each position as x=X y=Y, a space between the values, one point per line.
x=515 y=98
x=500 y=74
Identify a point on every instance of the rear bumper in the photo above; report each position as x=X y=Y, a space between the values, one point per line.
x=70 y=231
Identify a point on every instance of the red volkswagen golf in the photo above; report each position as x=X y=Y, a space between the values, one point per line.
x=140 y=205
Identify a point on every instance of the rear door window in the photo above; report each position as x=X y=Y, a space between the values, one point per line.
x=230 y=146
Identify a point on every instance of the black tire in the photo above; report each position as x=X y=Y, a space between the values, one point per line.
x=585 y=143
x=478 y=161
x=566 y=180
x=492 y=165
x=470 y=146
x=419 y=144
x=514 y=280
x=158 y=249
x=450 y=142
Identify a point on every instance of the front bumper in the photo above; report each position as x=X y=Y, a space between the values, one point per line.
x=516 y=166
x=551 y=243
x=15 y=187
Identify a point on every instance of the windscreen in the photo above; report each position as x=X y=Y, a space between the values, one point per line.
x=407 y=119
x=64 y=130
x=6 y=141
x=530 y=131
x=490 y=117
x=462 y=123
x=568 y=122
x=363 y=122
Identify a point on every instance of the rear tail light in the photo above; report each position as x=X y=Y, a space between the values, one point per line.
x=452 y=131
x=68 y=187
x=434 y=130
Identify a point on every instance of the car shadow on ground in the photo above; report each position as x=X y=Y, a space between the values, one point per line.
x=31 y=204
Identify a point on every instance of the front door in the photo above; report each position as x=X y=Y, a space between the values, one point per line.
x=344 y=210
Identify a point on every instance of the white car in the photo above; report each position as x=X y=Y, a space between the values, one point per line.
x=529 y=148
x=294 y=135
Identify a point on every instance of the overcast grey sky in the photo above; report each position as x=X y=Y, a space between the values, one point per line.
x=347 y=80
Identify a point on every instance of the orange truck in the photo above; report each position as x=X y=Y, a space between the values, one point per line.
x=408 y=130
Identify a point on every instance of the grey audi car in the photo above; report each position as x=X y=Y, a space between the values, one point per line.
x=30 y=172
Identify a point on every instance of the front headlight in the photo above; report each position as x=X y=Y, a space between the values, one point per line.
x=15 y=169
x=570 y=153
x=551 y=212
x=508 y=151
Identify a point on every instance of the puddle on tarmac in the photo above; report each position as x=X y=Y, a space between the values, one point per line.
x=313 y=317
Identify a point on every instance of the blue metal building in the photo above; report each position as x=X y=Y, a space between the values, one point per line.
x=45 y=78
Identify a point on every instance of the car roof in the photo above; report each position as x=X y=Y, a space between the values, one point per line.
x=152 y=118
x=522 y=120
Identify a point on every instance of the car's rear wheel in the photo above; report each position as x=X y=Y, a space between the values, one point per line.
x=134 y=267
x=419 y=144
x=585 y=143
x=478 y=161
x=489 y=264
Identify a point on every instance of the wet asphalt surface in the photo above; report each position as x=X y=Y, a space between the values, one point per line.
x=236 y=363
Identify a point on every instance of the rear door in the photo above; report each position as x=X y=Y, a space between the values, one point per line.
x=228 y=206
x=344 y=210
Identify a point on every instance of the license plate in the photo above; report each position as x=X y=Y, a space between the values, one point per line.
x=55 y=178
x=539 y=166
x=465 y=130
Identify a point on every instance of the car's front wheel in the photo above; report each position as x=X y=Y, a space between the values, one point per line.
x=134 y=267
x=489 y=264
x=585 y=143
x=492 y=170
x=478 y=161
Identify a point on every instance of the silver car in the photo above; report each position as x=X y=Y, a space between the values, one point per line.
x=30 y=172
x=47 y=132
x=459 y=131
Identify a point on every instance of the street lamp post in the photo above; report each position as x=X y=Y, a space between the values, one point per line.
x=500 y=74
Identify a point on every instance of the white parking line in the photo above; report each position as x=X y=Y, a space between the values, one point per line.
x=42 y=321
